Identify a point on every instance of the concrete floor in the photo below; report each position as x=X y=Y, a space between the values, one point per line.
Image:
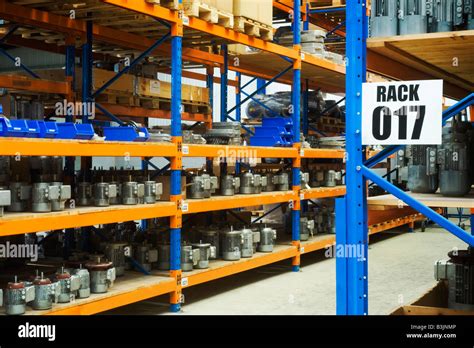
x=400 y=271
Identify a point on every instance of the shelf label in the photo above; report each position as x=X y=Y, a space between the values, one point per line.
x=185 y=20
x=184 y=206
x=301 y=250
x=302 y=152
x=302 y=196
x=184 y=282
x=185 y=150
x=402 y=113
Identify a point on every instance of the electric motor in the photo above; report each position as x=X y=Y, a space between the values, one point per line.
x=247 y=243
x=306 y=228
x=412 y=17
x=17 y=295
x=383 y=18
x=163 y=257
x=282 y=182
x=187 y=258
x=153 y=191
x=46 y=293
x=115 y=252
x=211 y=236
x=145 y=255
x=204 y=252
x=132 y=192
x=84 y=196
x=20 y=196
x=5 y=199
x=316 y=178
x=69 y=284
x=230 y=245
x=102 y=276
x=271 y=181
x=84 y=290
x=42 y=196
x=247 y=183
x=117 y=200
x=422 y=168
x=267 y=240
x=441 y=14
x=102 y=192
x=229 y=185
x=458 y=271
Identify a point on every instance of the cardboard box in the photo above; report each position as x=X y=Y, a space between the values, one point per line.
x=166 y=182
x=260 y=11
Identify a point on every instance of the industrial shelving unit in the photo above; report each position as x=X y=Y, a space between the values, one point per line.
x=271 y=64
x=412 y=57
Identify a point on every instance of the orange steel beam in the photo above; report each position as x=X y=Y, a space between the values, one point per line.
x=20 y=223
x=323 y=192
x=238 y=201
x=322 y=153
x=58 y=147
x=94 y=305
x=240 y=266
x=238 y=151
x=318 y=244
x=24 y=83
x=136 y=111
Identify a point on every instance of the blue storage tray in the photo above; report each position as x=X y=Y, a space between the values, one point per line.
x=33 y=129
x=267 y=141
x=48 y=129
x=13 y=128
x=125 y=134
x=68 y=130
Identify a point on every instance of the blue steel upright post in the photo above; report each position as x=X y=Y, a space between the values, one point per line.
x=224 y=80
x=351 y=215
x=238 y=111
x=295 y=102
x=87 y=62
x=176 y=162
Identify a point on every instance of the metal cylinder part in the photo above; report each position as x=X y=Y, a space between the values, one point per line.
x=145 y=255
x=229 y=185
x=163 y=257
x=247 y=183
x=45 y=293
x=42 y=195
x=117 y=200
x=102 y=192
x=84 y=194
x=187 y=260
x=20 y=196
x=5 y=199
x=383 y=19
x=230 y=245
x=153 y=191
x=316 y=178
x=267 y=240
x=68 y=285
x=102 y=276
x=211 y=236
x=247 y=243
x=115 y=252
x=306 y=228
x=422 y=168
x=282 y=182
x=84 y=290
x=270 y=179
x=64 y=194
x=17 y=294
x=412 y=17
x=205 y=250
x=132 y=192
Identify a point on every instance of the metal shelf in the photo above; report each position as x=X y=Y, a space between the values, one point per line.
x=323 y=192
x=322 y=153
x=233 y=152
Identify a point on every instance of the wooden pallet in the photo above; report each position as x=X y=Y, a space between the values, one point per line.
x=208 y=13
x=253 y=28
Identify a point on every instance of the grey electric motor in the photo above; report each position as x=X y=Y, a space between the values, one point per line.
x=267 y=239
x=282 y=182
x=145 y=255
x=422 y=168
x=42 y=195
x=69 y=284
x=251 y=183
x=84 y=290
x=46 y=293
x=249 y=239
x=441 y=15
x=211 y=236
x=64 y=194
x=115 y=252
x=458 y=271
x=231 y=244
x=84 y=196
x=204 y=253
x=102 y=276
x=202 y=186
x=271 y=182
x=5 y=199
x=412 y=17
x=306 y=228
x=132 y=192
x=188 y=258
x=454 y=160
x=383 y=19
x=316 y=177
x=102 y=193
x=17 y=295
x=153 y=191
x=229 y=185
x=20 y=196
x=163 y=257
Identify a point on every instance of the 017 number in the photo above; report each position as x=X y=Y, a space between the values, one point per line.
x=382 y=122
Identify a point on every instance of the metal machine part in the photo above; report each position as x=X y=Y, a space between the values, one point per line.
x=229 y=185
x=331 y=177
x=46 y=293
x=412 y=17
x=163 y=257
x=84 y=196
x=69 y=284
x=230 y=245
x=260 y=182
x=454 y=159
x=247 y=243
x=458 y=271
x=20 y=196
x=205 y=252
x=211 y=236
x=64 y=194
x=202 y=186
x=267 y=240
x=5 y=199
x=102 y=276
x=84 y=290
x=117 y=200
x=42 y=196
x=103 y=192
x=271 y=182
x=282 y=182
x=306 y=228
x=145 y=255
x=383 y=18
x=247 y=183
x=188 y=258
x=422 y=168
x=115 y=252
x=469 y=13
x=17 y=295
x=153 y=191
x=316 y=178
x=442 y=13
x=132 y=192
x=224 y=133
x=190 y=138
x=304 y=178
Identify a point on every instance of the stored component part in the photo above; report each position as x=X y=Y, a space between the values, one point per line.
x=206 y=252
x=20 y=196
x=260 y=182
x=115 y=252
x=42 y=196
x=132 y=192
x=5 y=199
x=412 y=17
x=103 y=192
x=251 y=183
x=145 y=255
x=46 y=293
x=188 y=258
x=422 y=168
x=282 y=182
x=211 y=236
x=304 y=178
x=164 y=257
x=383 y=18
x=17 y=295
x=84 y=196
x=153 y=191
x=441 y=14
x=230 y=245
x=190 y=138
x=454 y=159
x=102 y=276
x=224 y=133
x=84 y=290
x=331 y=177
x=247 y=243
x=267 y=240
x=270 y=180
x=306 y=228
x=459 y=272
x=316 y=178
x=69 y=284
x=229 y=185
x=202 y=186
x=64 y=194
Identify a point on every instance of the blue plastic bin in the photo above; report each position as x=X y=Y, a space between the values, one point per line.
x=48 y=129
x=13 y=128
x=33 y=129
x=69 y=130
x=125 y=134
